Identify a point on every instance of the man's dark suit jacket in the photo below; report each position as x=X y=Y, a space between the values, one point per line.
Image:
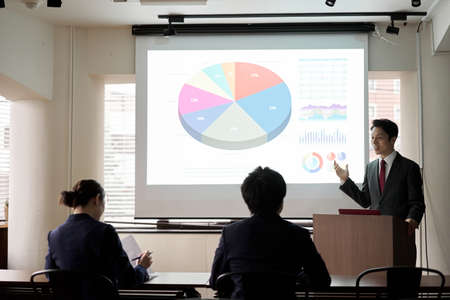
x=85 y=244
x=402 y=195
x=267 y=244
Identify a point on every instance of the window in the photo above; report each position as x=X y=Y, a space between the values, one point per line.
x=372 y=85
x=119 y=149
x=384 y=102
x=396 y=84
x=372 y=110
x=4 y=153
x=396 y=109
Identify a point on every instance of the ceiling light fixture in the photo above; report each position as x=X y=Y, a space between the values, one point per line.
x=395 y=15
x=269 y=27
x=170 y=30
x=54 y=3
x=330 y=2
x=391 y=29
x=415 y=3
x=32 y=4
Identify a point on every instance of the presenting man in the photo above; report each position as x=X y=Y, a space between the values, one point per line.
x=392 y=184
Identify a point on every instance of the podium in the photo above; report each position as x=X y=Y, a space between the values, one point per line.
x=4 y=246
x=350 y=244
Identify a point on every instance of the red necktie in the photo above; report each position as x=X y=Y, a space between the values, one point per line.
x=382 y=175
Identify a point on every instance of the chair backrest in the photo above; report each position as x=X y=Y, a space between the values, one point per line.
x=402 y=282
x=256 y=285
x=73 y=285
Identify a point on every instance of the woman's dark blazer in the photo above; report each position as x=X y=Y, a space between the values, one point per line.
x=85 y=244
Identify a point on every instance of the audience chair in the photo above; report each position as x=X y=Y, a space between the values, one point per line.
x=257 y=285
x=73 y=285
x=402 y=282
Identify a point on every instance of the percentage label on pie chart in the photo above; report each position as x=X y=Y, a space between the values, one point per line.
x=234 y=105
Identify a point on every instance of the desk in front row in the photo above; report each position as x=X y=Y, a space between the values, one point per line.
x=19 y=281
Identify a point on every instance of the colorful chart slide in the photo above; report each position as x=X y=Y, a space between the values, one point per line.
x=234 y=105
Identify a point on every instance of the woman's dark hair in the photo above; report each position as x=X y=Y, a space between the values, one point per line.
x=81 y=193
x=387 y=125
x=263 y=191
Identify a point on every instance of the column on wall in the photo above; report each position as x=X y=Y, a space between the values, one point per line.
x=53 y=143
x=436 y=171
x=36 y=174
x=409 y=114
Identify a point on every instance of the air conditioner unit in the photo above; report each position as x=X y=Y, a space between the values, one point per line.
x=164 y=2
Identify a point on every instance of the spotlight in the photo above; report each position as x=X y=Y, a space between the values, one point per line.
x=330 y=2
x=2 y=3
x=169 y=30
x=415 y=3
x=391 y=29
x=54 y=3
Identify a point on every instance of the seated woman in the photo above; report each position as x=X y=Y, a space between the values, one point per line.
x=83 y=243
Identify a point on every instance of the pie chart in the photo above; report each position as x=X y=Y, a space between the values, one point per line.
x=234 y=105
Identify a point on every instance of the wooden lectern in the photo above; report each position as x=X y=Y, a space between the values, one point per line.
x=4 y=246
x=350 y=244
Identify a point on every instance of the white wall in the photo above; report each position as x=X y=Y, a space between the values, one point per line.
x=436 y=172
x=26 y=52
x=397 y=55
x=180 y=252
x=96 y=52
x=441 y=26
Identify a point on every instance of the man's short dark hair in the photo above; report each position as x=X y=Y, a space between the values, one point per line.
x=263 y=191
x=387 y=125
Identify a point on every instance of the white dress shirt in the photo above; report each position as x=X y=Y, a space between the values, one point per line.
x=388 y=163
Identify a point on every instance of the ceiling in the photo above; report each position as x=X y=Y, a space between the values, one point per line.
x=108 y=13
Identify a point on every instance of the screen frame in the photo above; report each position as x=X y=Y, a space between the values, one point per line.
x=329 y=192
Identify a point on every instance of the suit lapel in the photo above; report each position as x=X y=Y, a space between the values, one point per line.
x=375 y=178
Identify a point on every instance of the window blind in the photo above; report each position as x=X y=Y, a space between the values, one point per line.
x=384 y=102
x=119 y=149
x=4 y=153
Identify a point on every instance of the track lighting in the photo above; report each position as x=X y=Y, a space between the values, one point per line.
x=54 y=3
x=169 y=30
x=398 y=16
x=391 y=29
x=330 y=2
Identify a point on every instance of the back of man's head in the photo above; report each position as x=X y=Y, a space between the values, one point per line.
x=263 y=191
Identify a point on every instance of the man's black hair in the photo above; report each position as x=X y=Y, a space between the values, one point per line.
x=387 y=125
x=263 y=191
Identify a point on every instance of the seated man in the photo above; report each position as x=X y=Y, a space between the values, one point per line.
x=265 y=242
